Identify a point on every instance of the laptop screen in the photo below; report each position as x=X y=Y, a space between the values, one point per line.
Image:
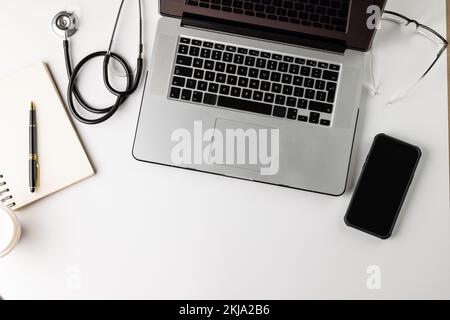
x=343 y=20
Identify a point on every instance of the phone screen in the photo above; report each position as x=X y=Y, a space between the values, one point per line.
x=383 y=186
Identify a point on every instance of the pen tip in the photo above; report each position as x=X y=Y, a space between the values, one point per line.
x=32 y=190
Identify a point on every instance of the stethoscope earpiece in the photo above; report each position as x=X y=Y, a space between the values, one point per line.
x=65 y=24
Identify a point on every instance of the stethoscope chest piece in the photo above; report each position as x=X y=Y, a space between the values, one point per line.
x=65 y=24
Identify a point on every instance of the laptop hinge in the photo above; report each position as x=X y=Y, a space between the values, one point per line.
x=267 y=33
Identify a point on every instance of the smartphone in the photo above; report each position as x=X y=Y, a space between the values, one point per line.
x=383 y=186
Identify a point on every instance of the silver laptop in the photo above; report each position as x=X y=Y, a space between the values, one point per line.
x=262 y=90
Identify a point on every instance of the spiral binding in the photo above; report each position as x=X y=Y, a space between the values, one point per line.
x=6 y=199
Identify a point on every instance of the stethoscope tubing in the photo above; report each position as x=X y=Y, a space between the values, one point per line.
x=121 y=96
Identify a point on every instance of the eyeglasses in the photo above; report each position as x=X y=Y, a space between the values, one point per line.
x=421 y=29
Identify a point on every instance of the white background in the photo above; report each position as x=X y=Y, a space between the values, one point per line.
x=137 y=230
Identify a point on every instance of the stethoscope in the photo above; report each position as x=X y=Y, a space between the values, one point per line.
x=65 y=24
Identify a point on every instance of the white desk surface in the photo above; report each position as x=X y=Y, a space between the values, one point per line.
x=137 y=230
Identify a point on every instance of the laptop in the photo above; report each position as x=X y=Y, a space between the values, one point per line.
x=261 y=90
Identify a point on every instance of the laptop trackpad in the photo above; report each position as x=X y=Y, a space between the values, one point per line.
x=244 y=145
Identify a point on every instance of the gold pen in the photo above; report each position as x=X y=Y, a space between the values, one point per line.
x=33 y=157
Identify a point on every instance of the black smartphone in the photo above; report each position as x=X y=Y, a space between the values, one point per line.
x=383 y=185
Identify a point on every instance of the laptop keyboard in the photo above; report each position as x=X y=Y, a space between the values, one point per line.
x=324 y=14
x=245 y=79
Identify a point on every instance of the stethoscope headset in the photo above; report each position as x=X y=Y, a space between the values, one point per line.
x=65 y=24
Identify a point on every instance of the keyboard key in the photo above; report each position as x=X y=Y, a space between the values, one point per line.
x=186 y=94
x=198 y=63
x=236 y=92
x=276 y=88
x=242 y=71
x=199 y=74
x=216 y=55
x=185 y=40
x=305 y=71
x=298 y=81
x=281 y=100
x=213 y=88
x=205 y=53
x=253 y=73
x=283 y=67
x=269 y=98
x=272 y=65
x=224 y=89
x=275 y=77
x=286 y=79
x=247 y=94
x=335 y=67
x=254 y=84
x=184 y=60
x=277 y=56
x=232 y=80
x=323 y=65
x=291 y=102
x=261 y=63
x=302 y=104
x=194 y=51
x=210 y=76
x=183 y=49
x=231 y=68
x=178 y=81
x=210 y=99
x=221 y=78
x=292 y=114
x=316 y=73
x=197 y=96
x=231 y=49
x=265 y=85
x=303 y=118
x=250 y=61
x=202 y=85
x=264 y=75
x=309 y=83
x=183 y=71
x=287 y=90
x=320 y=107
x=320 y=85
x=244 y=105
x=175 y=92
x=325 y=122
x=258 y=95
x=238 y=59
x=310 y=94
x=209 y=65
x=330 y=75
x=243 y=82
x=311 y=63
x=294 y=69
x=299 y=92
x=191 y=83
x=196 y=43
x=314 y=117
x=242 y=51
x=321 y=95
x=279 y=112
x=227 y=57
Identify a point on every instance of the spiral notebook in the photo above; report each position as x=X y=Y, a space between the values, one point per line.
x=62 y=158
